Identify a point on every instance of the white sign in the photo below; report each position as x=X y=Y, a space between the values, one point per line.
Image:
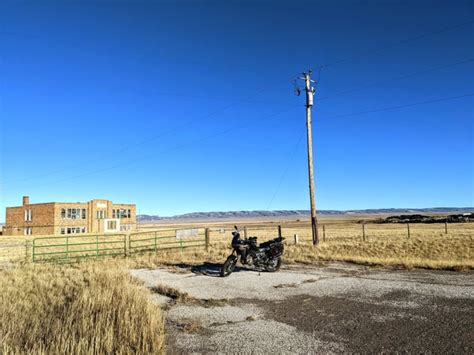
x=186 y=233
x=101 y=205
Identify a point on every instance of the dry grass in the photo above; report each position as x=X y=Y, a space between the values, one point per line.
x=77 y=309
x=386 y=244
x=96 y=307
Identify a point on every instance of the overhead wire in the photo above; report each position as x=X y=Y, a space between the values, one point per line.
x=287 y=168
x=189 y=122
x=404 y=41
x=142 y=158
x=395 y=107
x=267 y=117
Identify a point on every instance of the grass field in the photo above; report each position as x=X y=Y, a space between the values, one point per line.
x=96 y=307
x=384 y=244
x=86 y=308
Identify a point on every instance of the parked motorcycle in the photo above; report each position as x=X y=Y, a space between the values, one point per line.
x=266 y=256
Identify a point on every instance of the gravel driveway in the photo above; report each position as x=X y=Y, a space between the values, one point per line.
x=332 y=308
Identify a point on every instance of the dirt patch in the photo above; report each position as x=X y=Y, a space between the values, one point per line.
x=303 y=309
x=438 y=325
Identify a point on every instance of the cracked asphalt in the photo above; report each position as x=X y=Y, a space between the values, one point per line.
x=331 y=308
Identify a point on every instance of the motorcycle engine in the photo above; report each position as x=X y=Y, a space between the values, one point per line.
x=249 y=260
x=254 y=259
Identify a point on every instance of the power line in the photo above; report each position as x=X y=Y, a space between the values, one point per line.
x=142 y=142
x=290 y=160
x=404 y=41
x=259 y=91
x=404 y=76
x=267 y=117
x=134 y=161
x=388 y=108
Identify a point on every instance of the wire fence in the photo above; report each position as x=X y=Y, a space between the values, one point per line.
x=69 y=248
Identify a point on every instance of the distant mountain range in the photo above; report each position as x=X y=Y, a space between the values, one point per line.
x=297 y=213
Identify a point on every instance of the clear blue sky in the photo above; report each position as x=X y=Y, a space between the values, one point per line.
x=182 y=106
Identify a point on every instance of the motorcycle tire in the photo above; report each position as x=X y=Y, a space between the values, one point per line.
x=229 y=266
x=273 y=265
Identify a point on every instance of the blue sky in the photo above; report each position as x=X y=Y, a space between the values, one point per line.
x=188 y=105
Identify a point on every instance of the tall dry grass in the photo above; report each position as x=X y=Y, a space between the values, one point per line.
x=93 y=308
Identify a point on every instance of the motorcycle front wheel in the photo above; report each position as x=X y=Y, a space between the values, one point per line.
x=229 y=266
x=273 y=265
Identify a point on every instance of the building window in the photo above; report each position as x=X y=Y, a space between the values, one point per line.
x=112 y=225
x=28 y=215
x=73 y=230
x=28 y=231
x=101 y=215
x=114 y=215
x=83 y=213
x=63 y=213
x=123 y=213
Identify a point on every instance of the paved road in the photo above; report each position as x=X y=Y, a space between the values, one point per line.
x=335 y=308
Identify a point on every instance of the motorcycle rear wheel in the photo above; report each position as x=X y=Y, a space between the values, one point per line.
x=229 y=266
x=273 y=265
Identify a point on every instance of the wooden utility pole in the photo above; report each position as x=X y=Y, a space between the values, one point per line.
x=309 y=104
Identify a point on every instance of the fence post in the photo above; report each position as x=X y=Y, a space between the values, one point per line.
x=26 y=250
x=245 y=232
x=125 y=236
x=446 y=227
x=363 y=231
x=33 y=251
x=408 y=230
x=97 y=245
x=279 y=231
x=206 y=237
x=155 y=242
x=324 y=233
x=296 y=238
x=67 y=249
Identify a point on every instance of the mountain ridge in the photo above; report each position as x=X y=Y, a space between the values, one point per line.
x=296 y=213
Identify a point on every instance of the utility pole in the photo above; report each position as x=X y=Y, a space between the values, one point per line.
x=309 y=104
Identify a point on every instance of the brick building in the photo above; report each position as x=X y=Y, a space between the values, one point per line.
x=96 y=216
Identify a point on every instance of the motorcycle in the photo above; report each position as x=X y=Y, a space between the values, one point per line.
x=266 y=256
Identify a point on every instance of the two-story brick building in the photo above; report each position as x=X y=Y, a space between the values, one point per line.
x=96 y=216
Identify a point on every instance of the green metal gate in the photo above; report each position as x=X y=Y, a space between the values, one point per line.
x=71 y=248
x=153 y=241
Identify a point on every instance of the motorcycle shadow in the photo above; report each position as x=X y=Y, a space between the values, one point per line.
x=209 y=269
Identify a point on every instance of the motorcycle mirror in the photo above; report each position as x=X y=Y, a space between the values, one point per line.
x=235 y=227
